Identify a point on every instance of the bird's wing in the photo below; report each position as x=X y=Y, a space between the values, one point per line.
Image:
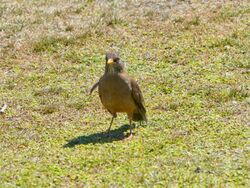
x=137 y=96
x=93 y=87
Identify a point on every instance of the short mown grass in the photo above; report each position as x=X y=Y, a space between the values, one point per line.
x=191 y=61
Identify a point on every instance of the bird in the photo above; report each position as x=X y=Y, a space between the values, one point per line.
x=119 y=93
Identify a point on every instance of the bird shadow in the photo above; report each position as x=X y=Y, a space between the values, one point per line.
x=101 y=137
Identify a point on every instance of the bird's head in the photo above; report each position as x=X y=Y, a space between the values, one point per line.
x=113 y=63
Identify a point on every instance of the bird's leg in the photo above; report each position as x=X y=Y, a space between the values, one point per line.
x=110 y=125
x=130 y=123
x=130 y=132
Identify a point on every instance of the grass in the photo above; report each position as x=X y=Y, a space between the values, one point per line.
x=191 y=61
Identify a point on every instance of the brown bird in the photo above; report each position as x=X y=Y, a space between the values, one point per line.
x=119 y=92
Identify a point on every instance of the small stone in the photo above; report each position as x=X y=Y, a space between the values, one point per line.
x=198 y=170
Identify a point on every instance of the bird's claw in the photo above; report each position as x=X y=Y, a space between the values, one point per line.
x=129 y=137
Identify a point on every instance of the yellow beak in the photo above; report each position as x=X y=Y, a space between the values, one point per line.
x=110 y=61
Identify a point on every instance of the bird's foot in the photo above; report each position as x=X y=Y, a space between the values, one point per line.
x=130 y=136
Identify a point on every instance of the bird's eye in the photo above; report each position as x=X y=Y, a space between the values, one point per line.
x=116 y=59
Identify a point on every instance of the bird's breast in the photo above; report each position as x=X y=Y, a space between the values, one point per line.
x=115 y=93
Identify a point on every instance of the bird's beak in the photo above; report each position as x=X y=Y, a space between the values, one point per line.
x=110 y=61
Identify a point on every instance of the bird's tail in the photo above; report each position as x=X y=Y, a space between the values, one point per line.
x=139 y=116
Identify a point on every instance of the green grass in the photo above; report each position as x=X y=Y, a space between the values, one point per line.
x=191 y=61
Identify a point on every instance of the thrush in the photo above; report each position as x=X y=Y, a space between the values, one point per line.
x=119 y=93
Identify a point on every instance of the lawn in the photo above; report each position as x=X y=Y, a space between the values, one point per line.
x=191 y=60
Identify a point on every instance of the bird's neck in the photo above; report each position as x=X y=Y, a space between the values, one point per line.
x=113 y=70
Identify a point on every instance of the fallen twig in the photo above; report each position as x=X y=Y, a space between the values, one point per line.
x=93 y=87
